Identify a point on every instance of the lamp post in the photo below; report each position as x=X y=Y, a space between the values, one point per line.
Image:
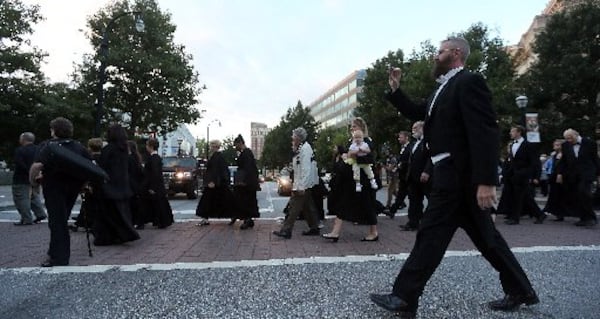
x=521 y=101
x=139 y=26
x=207 y=135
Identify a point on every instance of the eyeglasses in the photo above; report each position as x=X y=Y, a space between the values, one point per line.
x=441 y=51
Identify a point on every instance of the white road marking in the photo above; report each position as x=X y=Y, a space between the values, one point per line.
x=270 y=262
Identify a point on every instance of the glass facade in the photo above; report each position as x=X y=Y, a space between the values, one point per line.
x=335 y=107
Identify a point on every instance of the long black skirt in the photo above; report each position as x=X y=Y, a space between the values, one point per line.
x=216 y=202
x=113 y=224
x=159 y=210
x=246 y=203
x=358 y=207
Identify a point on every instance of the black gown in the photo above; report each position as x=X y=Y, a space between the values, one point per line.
x=114 y=224
x=217 y=202
x=156 y=205
x=246 y=185
x=353 y=206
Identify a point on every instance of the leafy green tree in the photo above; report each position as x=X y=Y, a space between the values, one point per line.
x=20 y=77
x=564 y=83
x=152 y=85
x=228 y=150
x=278 y=149
x=488 y=57
x=328 y=138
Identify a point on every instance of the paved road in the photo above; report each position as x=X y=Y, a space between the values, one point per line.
x=220 y=271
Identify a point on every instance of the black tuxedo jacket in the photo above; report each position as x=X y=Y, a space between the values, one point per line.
x=462 y=123
x=403 y=160
x=419 y=162
x=586 y=166
x=524 y=165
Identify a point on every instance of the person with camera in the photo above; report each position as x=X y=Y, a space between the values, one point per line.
x=60 y=188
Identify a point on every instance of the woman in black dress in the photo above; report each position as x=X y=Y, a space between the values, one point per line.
x=136 y=177
x=154 y=193
x=114 y=224
x=357 y=207
x=90 y=205
x=217 y=199
x=335 y=193
x=245 y=184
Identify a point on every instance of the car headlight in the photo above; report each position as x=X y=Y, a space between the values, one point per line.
x=182 y=175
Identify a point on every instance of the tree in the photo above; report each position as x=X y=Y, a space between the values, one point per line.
x=20 y=77
x=564 y=83
x=152 y=84
x=487 y=57
x=327 y=139
x=277 y=151
x=228 y=150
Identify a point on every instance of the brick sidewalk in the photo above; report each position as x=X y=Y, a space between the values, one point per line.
x=184 y=242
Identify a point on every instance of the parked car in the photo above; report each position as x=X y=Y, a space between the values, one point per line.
x=284 y=185
x=181 y=175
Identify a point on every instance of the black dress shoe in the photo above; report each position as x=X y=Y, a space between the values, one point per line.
x=73 y=228
x=248 y=223
x=376 y=238
x=333 y=238
x=589 y=222
x=512 y=302
x=283 y=234
x=311 y=232
x=394 y=304
x=540 y=219
x=38 y=220
x=232 y=221
x=52 y=263
x=511 y=222
x=21 y=223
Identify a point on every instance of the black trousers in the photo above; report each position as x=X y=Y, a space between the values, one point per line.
x=416 y=194
x=59 y=200
x=580 y=198
x=447 y=210
x=522 y=200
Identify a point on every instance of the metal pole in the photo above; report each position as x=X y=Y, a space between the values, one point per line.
x=207 y=139
x=102 y=70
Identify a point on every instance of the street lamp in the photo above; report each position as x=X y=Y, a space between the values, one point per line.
x=207 y=136
x=139 y=26
x=521 y=101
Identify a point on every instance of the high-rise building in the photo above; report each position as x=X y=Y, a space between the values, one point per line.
x=522 y=53
x=258 y=131
x=335 y=107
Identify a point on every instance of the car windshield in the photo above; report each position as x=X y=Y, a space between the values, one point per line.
x=179 y=162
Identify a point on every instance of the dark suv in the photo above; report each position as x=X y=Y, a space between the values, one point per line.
x=181 y=175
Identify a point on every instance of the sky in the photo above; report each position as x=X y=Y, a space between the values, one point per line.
x=257 y=58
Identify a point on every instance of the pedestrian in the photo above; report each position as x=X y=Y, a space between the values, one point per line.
x=114 y=225
x=419 y=171
x=136 y=178
x=358 y=157
x=25 y=196
x=60 y=189
x=461 y=133
x=391 y=168
x=245 y=184
x=522 y=168
x=403 y=158
x=556 y=196
x=576 y=171
x=360 y=208
x=335 y=192
x=217 y=199
x=91 y=202
x=306 y=177
x=153 y=188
